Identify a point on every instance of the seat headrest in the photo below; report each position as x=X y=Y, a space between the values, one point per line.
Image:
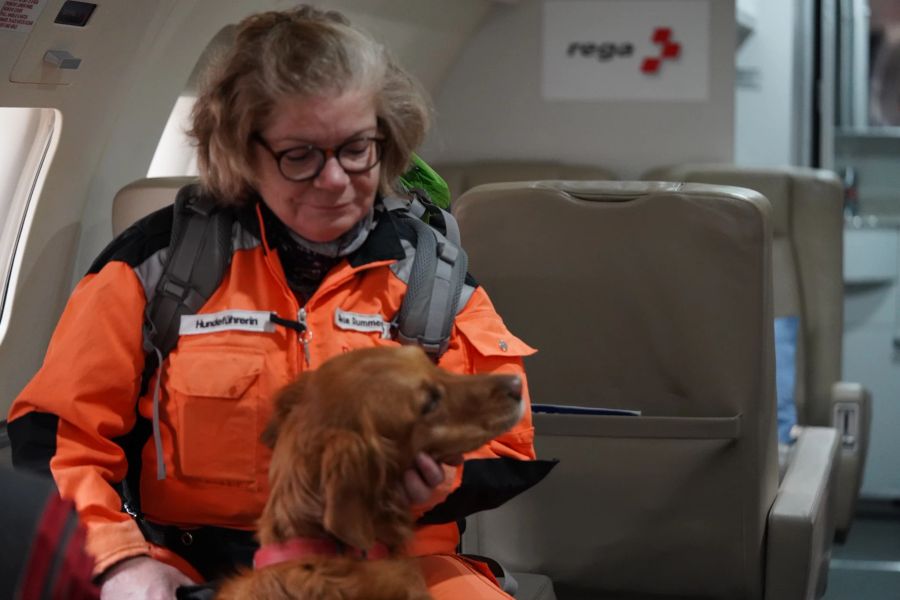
x=463 y=176
x=142 y=197
x=598 y=275
x=779 y=185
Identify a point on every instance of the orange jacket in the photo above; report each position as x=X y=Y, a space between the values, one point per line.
x=216 y=385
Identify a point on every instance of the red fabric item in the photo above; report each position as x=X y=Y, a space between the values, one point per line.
x=72 y=581
x=43 y=547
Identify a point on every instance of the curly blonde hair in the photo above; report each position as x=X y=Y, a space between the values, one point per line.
x=300 y=52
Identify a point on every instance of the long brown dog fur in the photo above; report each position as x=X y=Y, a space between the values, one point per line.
x=342 y=437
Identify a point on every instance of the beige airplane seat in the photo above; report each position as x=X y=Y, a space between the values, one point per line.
x=808 y=283
x=461 y=176
x=657 y=298
x=142 y=197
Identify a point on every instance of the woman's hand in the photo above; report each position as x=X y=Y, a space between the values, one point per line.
x=141 y=578
x=422 y=482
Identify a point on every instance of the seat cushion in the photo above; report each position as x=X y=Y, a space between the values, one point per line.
x=534 y=587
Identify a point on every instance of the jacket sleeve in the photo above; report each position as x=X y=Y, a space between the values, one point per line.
x=482 y=344
x=84 y=397
x=487 y=346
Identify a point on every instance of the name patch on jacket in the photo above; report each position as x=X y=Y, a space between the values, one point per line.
x=361 y=322
x=227 y=320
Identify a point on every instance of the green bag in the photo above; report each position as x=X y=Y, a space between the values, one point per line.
x=421 y=176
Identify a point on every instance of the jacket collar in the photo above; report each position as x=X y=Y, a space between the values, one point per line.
x=382 y=244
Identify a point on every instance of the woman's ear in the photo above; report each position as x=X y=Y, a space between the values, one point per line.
x=284 y=402
x=350 y=477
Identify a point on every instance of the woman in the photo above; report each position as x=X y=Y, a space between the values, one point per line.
x=301 y=130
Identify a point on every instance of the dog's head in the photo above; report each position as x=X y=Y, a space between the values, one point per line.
x=342 y=436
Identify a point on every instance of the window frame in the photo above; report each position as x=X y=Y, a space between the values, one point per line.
x=38 y=155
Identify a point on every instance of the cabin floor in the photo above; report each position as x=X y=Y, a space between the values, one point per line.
x=867 y=565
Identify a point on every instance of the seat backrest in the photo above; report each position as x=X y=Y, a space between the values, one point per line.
x=807 y=266
x=642 y=296
x=462 y=176
x=142 y=197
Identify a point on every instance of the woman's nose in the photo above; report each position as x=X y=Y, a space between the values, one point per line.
x=332 y=175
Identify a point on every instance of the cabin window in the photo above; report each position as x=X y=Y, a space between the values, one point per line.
x=175 y=155
x=29 y=136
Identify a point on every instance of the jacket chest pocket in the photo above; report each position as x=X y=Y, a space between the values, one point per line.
x=216 y=396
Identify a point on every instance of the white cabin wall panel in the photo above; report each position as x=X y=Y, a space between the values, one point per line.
x=110 y=111
x=425 y=35
x=160 y=72
x=766 y=119
x=88 y=104
x=11 y=44
x=490 y=106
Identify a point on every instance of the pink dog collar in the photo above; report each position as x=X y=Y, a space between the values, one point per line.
x=299 y=548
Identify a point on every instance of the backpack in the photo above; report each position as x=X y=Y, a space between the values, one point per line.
x=200 y=252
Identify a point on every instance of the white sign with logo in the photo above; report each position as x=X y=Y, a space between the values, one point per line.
x=20 y=15
x=626 y=50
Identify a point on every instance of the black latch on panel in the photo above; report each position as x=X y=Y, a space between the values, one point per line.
x=75 y=13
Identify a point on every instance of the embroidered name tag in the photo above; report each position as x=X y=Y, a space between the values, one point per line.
x=359 y=322
x=227 y=320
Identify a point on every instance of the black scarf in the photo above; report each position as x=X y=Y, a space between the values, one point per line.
x=305 y=262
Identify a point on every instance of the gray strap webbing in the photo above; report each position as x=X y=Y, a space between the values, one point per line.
x=433 y=291
x=504 y=577
x=395 y=203
x=417 y=208
x=199 y=253
x=201 y=237
x=157 y=436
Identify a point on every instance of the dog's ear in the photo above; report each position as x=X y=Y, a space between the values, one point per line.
x=284 y=401
x=350 y=479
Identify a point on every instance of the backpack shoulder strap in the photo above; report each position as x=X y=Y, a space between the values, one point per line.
x=198 y=255
x=436 y=279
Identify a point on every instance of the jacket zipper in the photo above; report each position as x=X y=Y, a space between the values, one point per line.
x=304 y=334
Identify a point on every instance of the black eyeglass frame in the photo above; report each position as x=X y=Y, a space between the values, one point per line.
x=324 y=154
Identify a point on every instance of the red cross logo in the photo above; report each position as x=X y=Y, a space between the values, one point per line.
x=669 y=50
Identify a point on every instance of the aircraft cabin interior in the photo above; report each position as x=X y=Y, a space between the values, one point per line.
x=690 y=208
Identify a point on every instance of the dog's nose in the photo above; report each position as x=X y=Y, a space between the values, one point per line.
x=513 y=385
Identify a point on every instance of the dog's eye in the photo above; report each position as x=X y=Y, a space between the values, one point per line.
x=433 y=398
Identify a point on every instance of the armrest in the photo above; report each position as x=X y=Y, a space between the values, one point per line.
x=800 y=527
x=852 y=417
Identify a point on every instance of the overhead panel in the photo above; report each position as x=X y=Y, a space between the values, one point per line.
x=62 y=42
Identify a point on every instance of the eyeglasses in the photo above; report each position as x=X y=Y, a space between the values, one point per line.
x=302 y=163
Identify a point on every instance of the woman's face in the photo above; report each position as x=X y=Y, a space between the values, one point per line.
x=323 y=208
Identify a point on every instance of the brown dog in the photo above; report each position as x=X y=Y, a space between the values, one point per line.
x=342 y=436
